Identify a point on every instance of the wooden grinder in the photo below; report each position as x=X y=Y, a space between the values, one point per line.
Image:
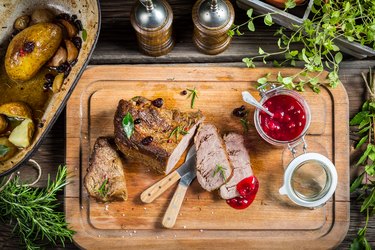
x=152 y=21
x=212 y=19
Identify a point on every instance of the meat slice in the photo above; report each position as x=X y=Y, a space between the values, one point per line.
x=105 y=178
x=239 y=157
x=170 y=129
x=213 y=166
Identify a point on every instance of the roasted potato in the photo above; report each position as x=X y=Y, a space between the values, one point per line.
x=31 y=49
x=41 y=16
x=7 y=149
x=22 y=22
x=3 y=123
x=21 y=136
x=16 y=110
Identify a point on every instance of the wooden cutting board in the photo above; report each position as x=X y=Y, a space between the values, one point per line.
x=205 y=221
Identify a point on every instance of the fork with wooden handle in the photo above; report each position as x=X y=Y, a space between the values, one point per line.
x=151 y=193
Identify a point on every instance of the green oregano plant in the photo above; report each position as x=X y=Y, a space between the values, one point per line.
x=329 y=20
x=364 y=184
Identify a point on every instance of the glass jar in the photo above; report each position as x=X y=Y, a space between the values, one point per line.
x=310 y=179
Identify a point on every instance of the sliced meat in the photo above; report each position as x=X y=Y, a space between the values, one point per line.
x=171 y=131
x=213 y=166
x=239 y=157
x=105 y=178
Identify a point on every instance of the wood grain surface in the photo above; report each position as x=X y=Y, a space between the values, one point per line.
x=90 y=113
x=117 y=44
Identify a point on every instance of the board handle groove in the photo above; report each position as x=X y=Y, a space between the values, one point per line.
x=153 y=192
x=173 y=209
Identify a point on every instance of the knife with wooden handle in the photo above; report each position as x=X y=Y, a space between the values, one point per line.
x=151 y=193
x=174 y=206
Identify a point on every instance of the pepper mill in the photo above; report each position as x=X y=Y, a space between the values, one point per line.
x=212 y=19
x=152 y=21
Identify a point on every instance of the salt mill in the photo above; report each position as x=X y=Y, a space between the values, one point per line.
x=212 y=19
x=152 y=21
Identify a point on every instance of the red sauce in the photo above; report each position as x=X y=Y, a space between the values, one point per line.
x=248 y=189
x=288 y=120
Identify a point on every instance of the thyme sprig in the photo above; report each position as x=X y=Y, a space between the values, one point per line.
x=220 y=169
x=193 y=95
x=32 y=211
x=365 y=121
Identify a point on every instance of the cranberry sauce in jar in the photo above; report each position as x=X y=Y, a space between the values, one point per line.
x=290 y=120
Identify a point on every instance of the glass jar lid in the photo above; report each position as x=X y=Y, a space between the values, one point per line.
x=310 y=180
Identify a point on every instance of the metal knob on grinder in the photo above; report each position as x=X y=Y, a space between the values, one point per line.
x=152 y=21
x=212 y=19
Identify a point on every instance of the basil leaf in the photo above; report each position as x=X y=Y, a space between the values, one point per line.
x=128 y=125
x=3 y=150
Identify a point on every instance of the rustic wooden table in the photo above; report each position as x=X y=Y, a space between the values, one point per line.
x=117 y=45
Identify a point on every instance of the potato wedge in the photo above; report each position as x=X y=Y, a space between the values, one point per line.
x=30 y=49
x=16 y=110
x=7 y=149
x=21 y=136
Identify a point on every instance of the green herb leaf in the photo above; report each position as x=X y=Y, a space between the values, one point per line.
x=268 y=20
x=356 y=183
x=194 y=95
x=104 y=188
x=220 y=169
x=249 y=13
x=363 y=140
x=358 y=118
x=338 y=57
x=3 y=150
x=370 y=200
x=251 y=26
x=260 y=51
x=84 y=35
x=249 y=62
x=128 y=125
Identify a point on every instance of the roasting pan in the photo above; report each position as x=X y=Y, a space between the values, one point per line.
x=88 y=11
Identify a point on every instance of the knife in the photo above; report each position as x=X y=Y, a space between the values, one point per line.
x=151 y=193
x=174 y=206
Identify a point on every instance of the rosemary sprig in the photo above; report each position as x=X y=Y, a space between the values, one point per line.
x=194 y=95
x=365 y=120
x=32 y=211
x=104 y=188
x=178 y=131
x=220 y=169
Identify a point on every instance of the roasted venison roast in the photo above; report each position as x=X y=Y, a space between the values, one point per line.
x=239 y=157
x=105 y=178
x=213 y=166
x=160 y=135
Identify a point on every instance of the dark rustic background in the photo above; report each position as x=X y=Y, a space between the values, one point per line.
x=117 y=45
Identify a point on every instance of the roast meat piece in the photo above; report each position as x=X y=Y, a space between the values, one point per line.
x=105 y=178
x=160 y=135
x=213 y=165
x=239 y=157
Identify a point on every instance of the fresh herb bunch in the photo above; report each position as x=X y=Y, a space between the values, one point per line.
x=365 y=121
x=352 y=19
x=32 y=211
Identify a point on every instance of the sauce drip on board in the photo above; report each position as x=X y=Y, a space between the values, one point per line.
x=288 y=120
x=247 y=188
